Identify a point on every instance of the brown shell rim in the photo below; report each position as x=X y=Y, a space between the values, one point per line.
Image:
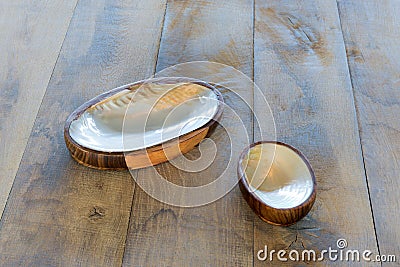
x=243 y=180
x=81 y=109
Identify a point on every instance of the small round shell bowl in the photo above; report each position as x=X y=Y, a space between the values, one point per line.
x=277 y=182
x=142 y=124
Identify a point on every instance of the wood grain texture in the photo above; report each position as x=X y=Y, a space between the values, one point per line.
x=61 y=213
x=300 y=63
x=220 y=233
x=29 y=46
x=372 y=43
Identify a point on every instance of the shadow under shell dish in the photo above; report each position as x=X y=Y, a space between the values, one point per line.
x=142 y=124
x=277 y=182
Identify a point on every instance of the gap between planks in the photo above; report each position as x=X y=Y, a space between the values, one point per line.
x=358 y=128
x=18 y=152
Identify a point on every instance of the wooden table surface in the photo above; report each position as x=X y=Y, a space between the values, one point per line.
x=329 y=69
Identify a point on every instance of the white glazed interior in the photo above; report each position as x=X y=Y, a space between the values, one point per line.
x=156 y=113
x=277 y=175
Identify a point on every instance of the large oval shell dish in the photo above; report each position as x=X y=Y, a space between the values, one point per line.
x=143 y=123
x=277 y=181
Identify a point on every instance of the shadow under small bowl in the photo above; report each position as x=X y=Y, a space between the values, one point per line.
x=277 y=182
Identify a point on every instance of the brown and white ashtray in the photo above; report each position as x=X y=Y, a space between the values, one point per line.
x=143 y=123
x=277 y=182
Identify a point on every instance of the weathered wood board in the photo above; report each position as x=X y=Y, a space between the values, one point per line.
x=300 y=63
x=60 y=213
x=372 y=43
x=220 y=233
x=29 y=47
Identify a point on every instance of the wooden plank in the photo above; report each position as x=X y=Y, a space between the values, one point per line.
x=300 y=64
x=219 y=233
x=61 y=213
x=372 y=43
x=29 y=46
